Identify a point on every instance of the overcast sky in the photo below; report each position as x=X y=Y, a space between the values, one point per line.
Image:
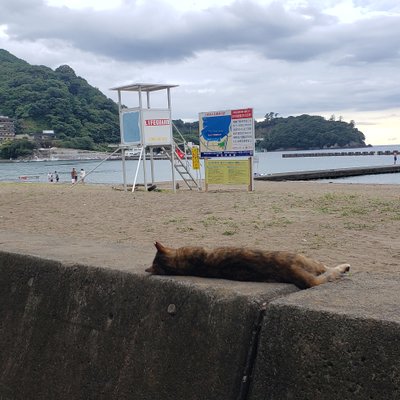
x=319 y=57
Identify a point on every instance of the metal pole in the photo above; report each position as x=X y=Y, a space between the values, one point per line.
x=152 y=165
x=140 y=97
x=169 y=98
x=172 y=144
x=148 y=99
x=124 y=168
x=199 y=177
x=144 y=168
x=119 y=101
x=122 y=137
x=173 y=166
x=137 y=170
x=205 y=173
x=252 y=174
x=251 y=186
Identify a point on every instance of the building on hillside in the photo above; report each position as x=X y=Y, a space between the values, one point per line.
x=7 y=128
x=37 y=136
x=48 y=134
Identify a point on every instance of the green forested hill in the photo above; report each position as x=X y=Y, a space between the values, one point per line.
x=39 y=98
x=307 y=132
x=42 y=99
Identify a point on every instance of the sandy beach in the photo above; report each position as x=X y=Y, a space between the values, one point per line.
x=334 y=223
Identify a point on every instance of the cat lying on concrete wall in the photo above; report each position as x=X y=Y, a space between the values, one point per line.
x=243 y=264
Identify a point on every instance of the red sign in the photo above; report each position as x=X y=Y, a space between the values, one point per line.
x=243 y=113
x=179 y=153
x=156 y=122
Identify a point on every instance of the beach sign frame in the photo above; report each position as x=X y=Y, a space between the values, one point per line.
x=227 y=133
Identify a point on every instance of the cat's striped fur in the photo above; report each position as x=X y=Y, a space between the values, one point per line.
x=244 y=264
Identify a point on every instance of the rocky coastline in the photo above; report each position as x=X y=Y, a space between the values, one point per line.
x=65 y=154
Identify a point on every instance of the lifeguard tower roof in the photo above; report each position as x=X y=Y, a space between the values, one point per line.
x=143 y=87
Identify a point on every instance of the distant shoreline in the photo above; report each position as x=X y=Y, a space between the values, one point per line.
x=66 y=154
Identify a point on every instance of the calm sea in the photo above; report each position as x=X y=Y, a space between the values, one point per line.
x=110 y=172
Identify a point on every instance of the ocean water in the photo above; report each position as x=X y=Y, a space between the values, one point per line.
x=110 y=172
x=273 y=162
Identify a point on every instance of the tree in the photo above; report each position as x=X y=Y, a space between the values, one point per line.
x=40 y=98
x=270 y=116
x=16 y=148
x=308 y=132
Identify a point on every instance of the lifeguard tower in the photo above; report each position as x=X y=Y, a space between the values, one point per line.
x=144 y=128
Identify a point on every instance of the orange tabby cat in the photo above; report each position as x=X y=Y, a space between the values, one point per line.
x=242 y=264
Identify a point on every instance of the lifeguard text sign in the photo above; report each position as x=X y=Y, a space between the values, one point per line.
x=157 y=127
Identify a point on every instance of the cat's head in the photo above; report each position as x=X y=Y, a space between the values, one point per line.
x=164 y=261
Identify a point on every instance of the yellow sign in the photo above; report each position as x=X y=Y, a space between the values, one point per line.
x=195 y=157
x=232 y=172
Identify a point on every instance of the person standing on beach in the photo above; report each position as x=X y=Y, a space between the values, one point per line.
x=74 y=175
x=56 y=176
x=394 y=157
x=82 y=175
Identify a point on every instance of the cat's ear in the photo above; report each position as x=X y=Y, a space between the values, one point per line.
x=160 y=247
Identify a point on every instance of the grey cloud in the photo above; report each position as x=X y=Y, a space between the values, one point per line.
x=156 y=33
x=371 y=40
x=140 y=34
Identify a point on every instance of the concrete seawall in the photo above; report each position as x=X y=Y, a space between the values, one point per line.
x=339 y=341
x=73 y=331
x=79 y=332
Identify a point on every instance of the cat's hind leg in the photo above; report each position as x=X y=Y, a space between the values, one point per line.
x=305 y=272
x=332 y=274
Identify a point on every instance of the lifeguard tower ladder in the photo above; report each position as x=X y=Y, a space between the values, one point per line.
x=146 y=128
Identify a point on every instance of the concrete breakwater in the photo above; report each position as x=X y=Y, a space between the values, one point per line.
x=75 y=331
x=329 y=174
x=341 y=153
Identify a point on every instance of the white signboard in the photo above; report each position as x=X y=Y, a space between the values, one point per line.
x=156 y=127
x=228 y=133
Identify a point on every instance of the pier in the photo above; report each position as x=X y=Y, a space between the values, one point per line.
x=341 y=153
x=329 y=174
